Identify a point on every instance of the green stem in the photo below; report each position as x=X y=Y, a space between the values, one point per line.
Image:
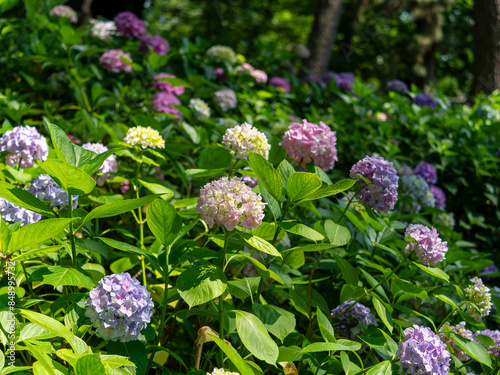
x=349 y=203
x=28 y=282
x=166 y=277
x=141 y=223
x=233 y=167
x=71 y=230
x=450 y=314
x=227 y=234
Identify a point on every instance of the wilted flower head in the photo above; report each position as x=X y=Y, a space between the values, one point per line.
x=25 y=145
x=424 y=100
x=308 y=142
x=158 y=44
x=226 y=98
x=478 y=294
x=353 y=319
x=219 y=371
x=167 y=86
x=495 y=335
x=244 y=138
x=222 y=54
x=129 y=25
x=164 y=102
x=144 y=137
x=64 y=11
x=382 y=193
x=46 y=189
x=110 y=165
x=280 y=83
x=259 y=75
x=439 y=196
x=397 y=86
x=419 y=190
x=13 y=213
x=428 y=246
x=422 y=352
x=427 y=172
x=112 y=60
x=103 y=30
x=230 y=203
x=119 y=307
x=460 y=330
x=200 y=108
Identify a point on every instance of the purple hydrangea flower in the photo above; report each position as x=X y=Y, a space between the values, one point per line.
x=226 y=98
x=491 y=269
x=164 y=102
x=167 y=86
x=308 y=142
x=158 y=44
x=316 y=80
x=112 y=60
x=460 y=330
x=344 y=81
x=498 y=152
x=427 y=171
x=250 y=181
x=119 y=307
x=25 y=145
x=382 y=193
x=428 y=247
x=46 y=189
x=495 y=335
x=129 y=25
x=397 y=86
x=64 y=11
x=280 y=83
x=439 y=196
x=424 y=100
x=13 y=213
x=422 y=352
x=110 y=165
x=352 y=320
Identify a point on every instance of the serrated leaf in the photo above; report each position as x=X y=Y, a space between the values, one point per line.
x=71 y=179
x=260 y=244
x=277 y=320
x=267 y=176
x=163 y=221
x=301 y=230
x=330 y=190
x=59 y=275
x=337 y=234
x=383 y=368
x=24 y=199
x=301 y=185
x=436 y=272
x=475 y=350
x=285 y=169
x=89 y=364
x=201 y=283
x=332 y=346
x=325 y=327
x=383 y=313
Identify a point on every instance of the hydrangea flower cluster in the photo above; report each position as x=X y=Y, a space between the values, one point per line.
x=422 y=352
x=119 y=307
x=64 y=11
x=352 y=320
x=308 y=142
x=164 y=102
x=439 y=196
x=144 y=137
x=158 y=44
x=382 y=193
x=280 y=83
x=244 y=138
x=250 y=181
x=112 y=60
x=110 y=165
x=25 y=145
x=220 y=371
x=245 y=68
x=428 y=246
x=478 y=294
x=13 y=213
x=427 y=172
x=226 y=98
x=167 y=86
x=103 y=30
x=259 y=75
x=495 y=336
x=424 y=100
x=418 y=189
x=396 y=85
x=129 y=25
x=220 y=73
x=445 y=219
x=459 y=329
x=230 y=203
x=222 y=54
x=344 y=81
x=200 y=108
x=46 y=189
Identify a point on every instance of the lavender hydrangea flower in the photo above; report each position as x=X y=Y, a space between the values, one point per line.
x=495 y=335
x=280 y=83
x=250 y=181
x=112 y=60
x=13 y=213
x=479 y=295
x=460 y=330
x=158 y=44
x=308 y=142
x=164 y=102
x=491 y=269
x=200 y=108
x=424 y=100
x=25 y=145
x=167 y=86
x=230 y=203
x=110 y=165
x=352 y=320
x=259 y=75
x=344 y=81
x=226 y=98
x=397 y=86
x=46 y=189
x=439 y=196
x=427 y=172
x=419 y=190
x=119 y=307
x=244 y=138
x=422 y=352
x=64 y=11
x=428 y=246
x=222 y=54
x=382 y=193
x=129 y=25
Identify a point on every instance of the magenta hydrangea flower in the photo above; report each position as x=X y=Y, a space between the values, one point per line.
x=64 y=11
x=460 y=330
x=259 y=75
x=308 y=142
x=124 y=186
x=119 y=307
x=495 y=335
x=13 y=213
x=428 y=246
x=164 y=102
x=280 y=83
x=353 y=319
x=230 y=203
x=112 y=60
x=46 y=189
x=25 y=145
x=422 y=352
x=427 y=172
x=382 y=193
x=158 y=44
x=110 y=165
x=129 y=25
x=439 y=196
x=167 y=86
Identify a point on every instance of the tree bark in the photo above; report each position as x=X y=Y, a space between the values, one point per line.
x=486 y=47
x=322 y=36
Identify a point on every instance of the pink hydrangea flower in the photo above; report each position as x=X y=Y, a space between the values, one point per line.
x=164 y=102
x=259 y=75
x=158 y=44
x=167 y=86
x=428 y=247
x=112 y=60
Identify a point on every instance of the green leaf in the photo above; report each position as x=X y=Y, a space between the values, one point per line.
x=436 y=272
x=272 y=203
x=267 y=176
x=259 y=244
x=383 y=368
x=164 y=191
x=201 y=283
x=447 y=300
x=301 y=185
x=61 y=143
x=24 y=199
x=71 y=179
x=232 y=354
x=204 y=172
x=163 y=221
x=384 y=314
x=371 y=280
x=34 y=233
x=330 y=190
x=89 y=161
x=135 y=351
x=89 y=364
x=59 y=275
x=332 y=346
x=349 y=367
x=348 y=272
x=475 y=350
x=215 y=157
x=301 y=230
x=278 y=321
x=325 y=327
x=5 y=235
x=254 y=336
x=337 y=234
x=285 y=169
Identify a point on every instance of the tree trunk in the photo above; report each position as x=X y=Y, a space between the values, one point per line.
x=322 y=36
x=486 y=47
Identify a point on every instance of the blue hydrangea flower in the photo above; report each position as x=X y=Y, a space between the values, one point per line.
x=353 y=319
x=396 y=85
x=14 y=213
x=25 y=145
x=119 y=307
x=46 y=189
x=495 y=335
x=424 y=100
x=418 y=189
x=427 y=172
